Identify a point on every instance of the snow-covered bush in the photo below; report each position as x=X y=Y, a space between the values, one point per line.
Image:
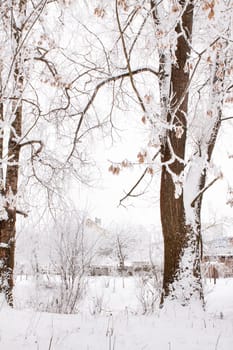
x=149 y=290
x=71 y=260
x=60 y=286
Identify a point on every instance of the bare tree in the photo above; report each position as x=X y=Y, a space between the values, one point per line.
x=71 y=260
x=192 y=74
x=12 y=85
x=28 y=68
x=123 y=243
x=184 y=174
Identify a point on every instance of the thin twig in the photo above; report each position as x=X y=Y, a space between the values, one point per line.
x=129 y=193
x=50 y=343
x=216 y=345
x=128 y=60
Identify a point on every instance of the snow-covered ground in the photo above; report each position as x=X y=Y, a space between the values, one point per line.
x=120 y=324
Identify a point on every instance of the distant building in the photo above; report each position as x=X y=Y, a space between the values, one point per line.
x=218 y=258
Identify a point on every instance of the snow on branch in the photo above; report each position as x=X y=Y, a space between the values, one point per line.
x=200 y=193
x=4 y=245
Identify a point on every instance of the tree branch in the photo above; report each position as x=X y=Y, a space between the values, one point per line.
x=128 y=60
x=20 y=212
x=31 y=143
x=227 y=118
x=93 y=96
x=129 y=193
x=200 y=193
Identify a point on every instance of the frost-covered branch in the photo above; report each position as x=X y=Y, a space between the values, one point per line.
x=128 y=60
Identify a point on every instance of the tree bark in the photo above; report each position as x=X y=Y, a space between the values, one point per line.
x=10 y=185
x=181 y=219
x=178 y=236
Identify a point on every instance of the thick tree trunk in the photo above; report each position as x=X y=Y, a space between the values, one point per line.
x=181 y=202
x=181 y=245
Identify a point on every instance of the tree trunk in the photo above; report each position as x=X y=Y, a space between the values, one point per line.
x=7 y=227
x=181 y=243
x=181 y=197
x=10 y=185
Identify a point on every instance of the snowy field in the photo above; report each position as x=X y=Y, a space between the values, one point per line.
x=110 y=318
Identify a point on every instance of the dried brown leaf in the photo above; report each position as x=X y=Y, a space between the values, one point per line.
x=150 y=171
x=144 y=120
